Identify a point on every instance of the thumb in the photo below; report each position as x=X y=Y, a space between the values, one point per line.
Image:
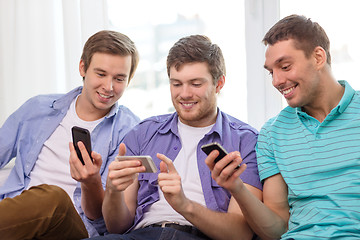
x=122 y=149
x=97 y=158
x=163 y=167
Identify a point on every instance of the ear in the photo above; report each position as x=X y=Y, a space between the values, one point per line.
x=220 y=83
x=320 y=57
x=82 y=68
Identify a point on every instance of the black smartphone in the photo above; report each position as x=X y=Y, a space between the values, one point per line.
x=208 y=148
x=83 y=135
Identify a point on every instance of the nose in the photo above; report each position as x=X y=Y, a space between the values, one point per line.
x=277 y=79
x=108 y=84
x=185 y=92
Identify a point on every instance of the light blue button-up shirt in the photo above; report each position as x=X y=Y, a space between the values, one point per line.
x=23 y=134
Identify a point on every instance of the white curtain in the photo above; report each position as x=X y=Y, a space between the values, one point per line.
x=41 y=44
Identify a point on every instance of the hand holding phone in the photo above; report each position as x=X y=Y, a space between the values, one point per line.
x=146 y=161
x=208 y=148
x=83 y=135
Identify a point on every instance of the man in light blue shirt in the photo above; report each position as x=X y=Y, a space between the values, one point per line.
x=308 y=155
x=38 y=136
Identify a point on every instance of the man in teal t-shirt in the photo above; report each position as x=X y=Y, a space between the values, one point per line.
x=308 y=155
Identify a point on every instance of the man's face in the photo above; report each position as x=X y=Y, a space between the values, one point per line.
x=295 y=76
x=104 y=83
x=193 y=94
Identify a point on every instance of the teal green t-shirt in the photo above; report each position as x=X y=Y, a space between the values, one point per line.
x=320 y=163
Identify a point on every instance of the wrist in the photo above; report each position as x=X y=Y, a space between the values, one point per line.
x=94 y=181
x=238 y=189
x=187 y=208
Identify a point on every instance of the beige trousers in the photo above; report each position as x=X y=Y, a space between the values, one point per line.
x=42 y=212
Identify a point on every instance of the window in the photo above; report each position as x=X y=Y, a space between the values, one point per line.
x=340 y=21
x=156 y=25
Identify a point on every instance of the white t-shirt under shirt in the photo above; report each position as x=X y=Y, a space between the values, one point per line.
x=52 y=166
x=187 y=167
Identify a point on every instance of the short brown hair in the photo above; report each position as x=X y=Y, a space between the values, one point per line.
x=197 y=48
x=306 y=33
x=110 y=42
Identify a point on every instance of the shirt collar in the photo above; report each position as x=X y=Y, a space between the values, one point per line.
x=65 y=100
x=344 y=102
x=346 y=98
x=170 y=124
x=113 y=111
x=218 y=127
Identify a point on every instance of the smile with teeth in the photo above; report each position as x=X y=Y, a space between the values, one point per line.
x=105 y=96
x=287 y=91
x=187 y=104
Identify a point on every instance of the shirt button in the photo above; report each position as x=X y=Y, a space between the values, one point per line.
x=175 y=148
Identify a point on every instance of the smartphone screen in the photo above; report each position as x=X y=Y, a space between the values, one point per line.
x=83 y=135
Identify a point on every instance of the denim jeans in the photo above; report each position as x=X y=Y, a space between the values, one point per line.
x=151 y=233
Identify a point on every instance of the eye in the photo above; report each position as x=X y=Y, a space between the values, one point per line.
x=100 y=74
x=120 y=79
x=175 y=84
x=286 y=67
x=196 y=83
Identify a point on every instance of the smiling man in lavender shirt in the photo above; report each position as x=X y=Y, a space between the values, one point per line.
x=181 y=201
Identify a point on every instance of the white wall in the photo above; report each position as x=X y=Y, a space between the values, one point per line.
x=41 y=42
x=40 y=46
x=263 y=100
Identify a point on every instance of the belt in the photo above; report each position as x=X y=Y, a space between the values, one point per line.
x=184 y=228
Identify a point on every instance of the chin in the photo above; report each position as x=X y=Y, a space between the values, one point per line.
x=105 y=106
x=187 y=117
x=293 y=104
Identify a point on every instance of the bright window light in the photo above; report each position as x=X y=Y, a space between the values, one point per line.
x=156 y=25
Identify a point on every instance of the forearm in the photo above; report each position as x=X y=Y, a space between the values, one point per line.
x=265 y=223
x=116 y=214
x=92 y=196
x=217 y=225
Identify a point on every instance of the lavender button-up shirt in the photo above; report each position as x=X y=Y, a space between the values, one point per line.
x=159 y=134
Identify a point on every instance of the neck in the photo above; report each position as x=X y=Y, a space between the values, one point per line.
x=87 y=112
x=204 y=121
x=327 y=100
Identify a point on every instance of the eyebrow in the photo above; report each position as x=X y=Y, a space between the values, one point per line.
x=103 y=71
x=190 y=80
x=99 y=69
x=281 y=59
x=266 y=67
